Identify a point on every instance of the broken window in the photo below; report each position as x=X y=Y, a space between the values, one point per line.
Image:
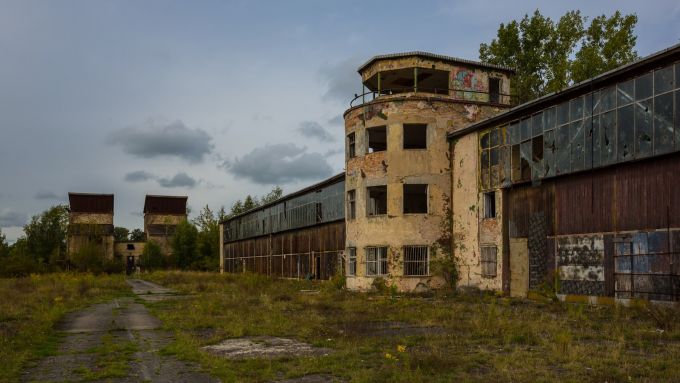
x=643 y=86
x=592 y=149
x=376 y=261
x=415 y=136
x=490 y=205
x=494 y=90
x=377 y=139
x=415 y=199
x=489 y=261
x=576 y=109
x=577 y=146
x=643 y=128
x=608 y=138
x=626 y=121
x=416 y=260
x=549 y=153
x=537 y=157
x=516 y=163
x=525 y=129
x=537 y=124
x=351 y=146
x=376 y=203
x=351 y=261
x=663 y=80
x=624 y=92
x=351 y=204
x=525 y=160
x=563 y=113
x=608 y=99
x=319 y=212
x=130 y=246
x=562 y=150
x=491 y=146
x=663 y=123
x=514 y=134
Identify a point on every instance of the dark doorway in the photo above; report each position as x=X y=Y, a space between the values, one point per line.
x=317 y=267
x=494 y=90
x=130 y=266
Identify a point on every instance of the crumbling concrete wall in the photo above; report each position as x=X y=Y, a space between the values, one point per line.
x=90 y=228
x=152 y=229
x=123 y=250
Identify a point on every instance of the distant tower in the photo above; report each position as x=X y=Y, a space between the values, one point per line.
x=90 y=222
x=398 y=184
x=162 y=214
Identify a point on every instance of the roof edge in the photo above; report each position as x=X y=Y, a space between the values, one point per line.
x=433 y=56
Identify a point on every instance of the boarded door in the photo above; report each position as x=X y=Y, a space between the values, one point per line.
x=519 y=267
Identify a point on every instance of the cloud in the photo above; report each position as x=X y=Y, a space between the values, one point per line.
x=279 y=164
x=179 y=180
x=173 y=139
x=138 y=176
x=11 y=218
x=313 y=129
x=48 y=195
x=341 y=79
x=337 y=120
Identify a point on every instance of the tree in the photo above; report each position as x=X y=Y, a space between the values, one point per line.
x=208 y=239
x=152 y=256
x=4 y=247
x=120 y=234
x=46 y=234
x=272 y=196
x=137 y=235
x=183 y=244
x=542 y=51
x=251 y=202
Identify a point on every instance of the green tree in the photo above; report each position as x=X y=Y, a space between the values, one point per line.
x=272 y=196
x=46 y=234
x=208 y=239
x=543 y=52
x=120 y=234
x=251 y=202
x=137 y=235
x=152 y=256
x=4 y=247
x=184 y=244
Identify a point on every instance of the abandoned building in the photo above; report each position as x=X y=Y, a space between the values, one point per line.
x=90 y=223
x=576 y=190
x=300 y=235
x=162 y=214
x=398 y=182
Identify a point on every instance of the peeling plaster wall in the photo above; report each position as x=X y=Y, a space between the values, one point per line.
x=102 y=235
x=162 y=219
x=88 y=218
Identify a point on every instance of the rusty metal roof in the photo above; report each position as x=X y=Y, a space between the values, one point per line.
x=91 y=203
x=433 y=56
x=165 y=204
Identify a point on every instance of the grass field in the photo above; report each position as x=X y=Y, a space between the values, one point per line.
x=438 y=338
x=31 y=306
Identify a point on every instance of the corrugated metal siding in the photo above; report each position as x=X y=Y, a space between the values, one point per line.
x=91 y=203
x=154 y=204
x=583 y=203
x=525 y=202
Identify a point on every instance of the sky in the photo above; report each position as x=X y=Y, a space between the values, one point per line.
x=214 y=99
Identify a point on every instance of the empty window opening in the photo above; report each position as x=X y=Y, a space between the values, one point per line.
x=415 y=136
x=351 y=261
x=490 y=205
x=416 y=260
x=130 y=246
x=319 y=212
x=351 y=204
x=377 y=200
x=351 y=146
x=415 y=199
x=494 y=90
x=377 y=139
x=489 y=261
x=376 y=261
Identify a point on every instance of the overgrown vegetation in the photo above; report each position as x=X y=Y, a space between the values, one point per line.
x=31 y=306
x=549 y=56
x=384 y=337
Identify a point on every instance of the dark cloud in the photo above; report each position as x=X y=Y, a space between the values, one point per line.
x=337 y=120
x=313 y=129
x=179 y=180
x=138 y=176
x=173 y=139
x=341 y=79
x=279 y=164
x=11 y=218
x=48 y=195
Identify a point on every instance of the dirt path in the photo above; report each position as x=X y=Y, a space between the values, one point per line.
x=116 y=341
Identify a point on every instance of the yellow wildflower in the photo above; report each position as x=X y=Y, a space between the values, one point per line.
x=401 y=348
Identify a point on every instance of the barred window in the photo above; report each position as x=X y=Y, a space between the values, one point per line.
x=351 y=261
x=416 y=260
x=489 y=261
x=376 y=261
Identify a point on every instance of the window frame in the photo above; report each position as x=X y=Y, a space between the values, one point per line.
x=351 y=145
x=368 y=138
x=351 y=262
x=352 y=204
x=427 y=199
x=413 y=126
x=380 y=261
x=488 y=271
x=368 y=201
x=419 y=264
x=490 y=205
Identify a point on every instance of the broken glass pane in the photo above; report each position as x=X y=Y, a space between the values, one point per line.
x=588 y=105
x=576 y=109
x=596 y=102
x=549 y=119
x=504 y=177
x=625 y=92
x=608 y=98
x=495 y=136
x=593 y=145
x=562 y=151
x=626 y=133
x=577 y=146
x=608 y=137
x=516 y=164
x=513 y=133
x=643 y=128
x=549 y=153
x=563 y=113
x=525 y=157
x=663 y=80
x=525 y=129
x=537 y=157
x=537 y=124
x=484 y=140
x=643 y=87
x=494 y=156
x=588 y=131
x=485 y=174
x=663 y=123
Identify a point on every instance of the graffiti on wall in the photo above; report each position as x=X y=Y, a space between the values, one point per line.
x=469 y=84
x=580 y=264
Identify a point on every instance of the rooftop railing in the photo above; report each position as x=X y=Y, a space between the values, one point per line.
x=452 y=93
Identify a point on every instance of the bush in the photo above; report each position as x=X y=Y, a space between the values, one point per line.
x=19 y=266
x=152 y=256
x=91 y=258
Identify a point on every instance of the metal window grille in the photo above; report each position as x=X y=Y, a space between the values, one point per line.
x=351 y=204
x=376 y=260
x=416 y=260
x=351 y=146
x=489 y=261
x=352 y=261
